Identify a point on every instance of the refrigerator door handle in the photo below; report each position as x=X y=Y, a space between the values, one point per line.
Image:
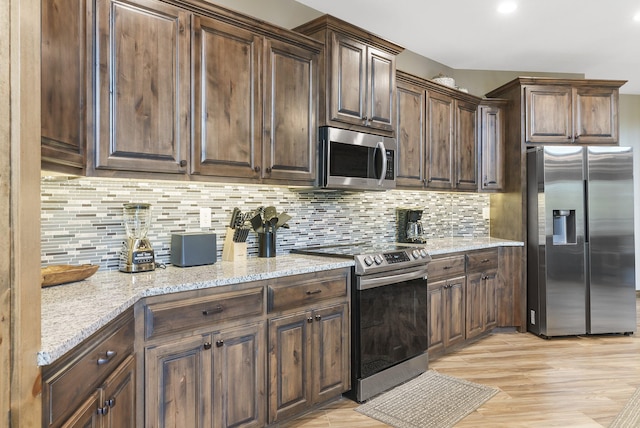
x=586 y=211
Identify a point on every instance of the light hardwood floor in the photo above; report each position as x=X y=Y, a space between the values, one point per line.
x=560 y=382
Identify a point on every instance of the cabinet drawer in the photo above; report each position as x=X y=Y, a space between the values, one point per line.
x=482 y=260
x=302 y=292
x=71 y=380
x=177 y=315
x=446 y=266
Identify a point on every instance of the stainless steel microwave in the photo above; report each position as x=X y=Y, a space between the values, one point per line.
x=356 y=160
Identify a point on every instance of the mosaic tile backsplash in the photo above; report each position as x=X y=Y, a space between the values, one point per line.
x=82 y=218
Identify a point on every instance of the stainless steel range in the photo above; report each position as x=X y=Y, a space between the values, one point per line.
x=388 y=313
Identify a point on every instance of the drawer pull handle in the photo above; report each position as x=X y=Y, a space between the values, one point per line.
x=447 y=267
x=485 y=260
x=215 y=310
x=108 y=356
x=310 y=292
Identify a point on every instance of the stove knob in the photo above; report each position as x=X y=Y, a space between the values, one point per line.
x=368 y=261
x=423 y=252
x=377 y=259
x=416 y=254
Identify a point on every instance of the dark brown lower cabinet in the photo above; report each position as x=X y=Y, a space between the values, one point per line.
x=446 y=305
x=481 y=302
x=94 y=384
x=208 y=380
x=308 y=359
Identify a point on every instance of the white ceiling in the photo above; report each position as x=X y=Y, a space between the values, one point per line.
x=597 y=38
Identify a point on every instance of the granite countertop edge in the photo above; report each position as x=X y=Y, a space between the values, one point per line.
x=72 y=312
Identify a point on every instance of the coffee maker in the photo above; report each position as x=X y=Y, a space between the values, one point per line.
x=409 y=226
x=137 y=254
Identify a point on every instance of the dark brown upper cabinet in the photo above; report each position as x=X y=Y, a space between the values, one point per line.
x=567 y=111
x=491 y=134
x=357 y=76
x=143 y=86
x=436 y=134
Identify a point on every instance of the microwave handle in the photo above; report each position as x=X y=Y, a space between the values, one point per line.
x=380 y=146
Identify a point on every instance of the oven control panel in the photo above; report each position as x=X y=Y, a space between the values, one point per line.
x=391 y=260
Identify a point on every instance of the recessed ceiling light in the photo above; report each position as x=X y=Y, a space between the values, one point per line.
x=507 y=7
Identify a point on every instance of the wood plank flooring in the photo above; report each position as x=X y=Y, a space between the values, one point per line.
x=560 y=382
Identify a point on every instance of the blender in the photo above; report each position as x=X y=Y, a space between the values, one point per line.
x=137 y=254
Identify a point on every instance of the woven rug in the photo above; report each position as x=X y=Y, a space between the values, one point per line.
x=629 y=416
x=430 y=400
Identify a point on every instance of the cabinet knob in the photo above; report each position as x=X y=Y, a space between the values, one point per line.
x=318 y=317
x=107 y=357
x=569 y=137
x=103 y=410
x=183 y=163
x=207 y=345
x=111 y=402
x=310 y=319
x=215 y=310
x=267 y=170
x=256 y=168
x=219 y=343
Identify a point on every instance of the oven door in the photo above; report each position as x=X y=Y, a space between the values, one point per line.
x=390 y=319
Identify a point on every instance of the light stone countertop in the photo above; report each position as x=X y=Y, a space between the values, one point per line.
x=73 y=312
x=440 y=246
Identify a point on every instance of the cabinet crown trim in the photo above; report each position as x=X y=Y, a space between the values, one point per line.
x=551 y=81
x=335 y=24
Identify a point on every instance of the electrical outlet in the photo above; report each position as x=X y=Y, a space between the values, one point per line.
x=486 y=213
x=205 y=218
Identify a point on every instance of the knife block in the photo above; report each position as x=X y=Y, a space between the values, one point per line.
x=233 y=251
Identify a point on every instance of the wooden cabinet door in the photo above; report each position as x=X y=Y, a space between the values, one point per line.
x=86 y=416
x=65 y=82
x=290 y=98
x=491 y=136
x=440 y=156
x=227 y=100
x=511 y=290
x=330 y=368
x=381 y=77
x=454 y=322
x=410 y=135
x=476 y=297
x=119 y=396
x=178 y=385
x=143 y=85
x=490 y=280
x=348 y=80
x=436 y=313
x=289 y=365
x=466 y=148
x=596 y=115
x=548 y=114
x=239 y=376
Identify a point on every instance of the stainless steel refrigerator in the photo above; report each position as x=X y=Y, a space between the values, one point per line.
x=580 y=244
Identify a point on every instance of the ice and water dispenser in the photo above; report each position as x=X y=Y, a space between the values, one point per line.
x=564 y=227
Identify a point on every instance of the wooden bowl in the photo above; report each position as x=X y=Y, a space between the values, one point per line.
x=62 y=274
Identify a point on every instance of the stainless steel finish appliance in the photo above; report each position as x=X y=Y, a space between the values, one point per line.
x=356 y=161
x=409 y=226
x=581 y=263
x=388 y=314
x=137 y=255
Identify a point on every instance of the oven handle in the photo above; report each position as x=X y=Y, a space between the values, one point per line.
x=365 y=283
